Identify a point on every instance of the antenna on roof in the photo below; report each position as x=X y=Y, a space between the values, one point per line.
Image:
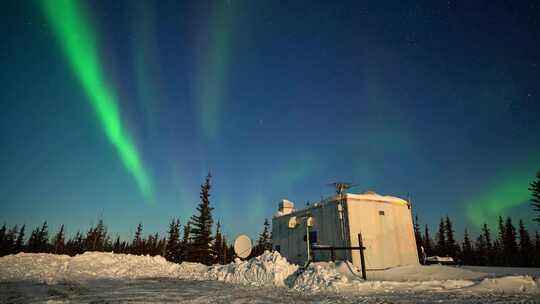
x=342 y=187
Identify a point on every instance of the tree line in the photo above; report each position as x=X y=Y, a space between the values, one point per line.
x=507 y=246
x=193 y=242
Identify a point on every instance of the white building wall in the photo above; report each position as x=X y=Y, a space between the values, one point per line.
x=389 y=238
x=387 y=231
x=290 y=241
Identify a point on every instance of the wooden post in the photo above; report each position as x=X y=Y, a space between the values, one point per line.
x=332 y=256
x=362 y=259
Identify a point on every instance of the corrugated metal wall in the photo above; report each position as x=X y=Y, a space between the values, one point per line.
x=386 y=228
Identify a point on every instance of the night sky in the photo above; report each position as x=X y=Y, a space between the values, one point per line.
x=118 y=109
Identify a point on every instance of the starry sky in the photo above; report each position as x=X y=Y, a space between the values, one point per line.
x=118 y=109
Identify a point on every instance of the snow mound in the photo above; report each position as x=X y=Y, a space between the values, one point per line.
x=50 y=268
x=40 y=267
x=510 y=284
x=425 y=273
x=344 y=278
x=323 y=276
x=268 y=269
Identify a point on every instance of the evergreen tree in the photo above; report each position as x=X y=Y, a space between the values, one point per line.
x=536 y=262
x=502 y=231
x=499 y=252
x=225 y=251
x=201 y=228
x=78 y=244
x=264 y=242
x=137 y=244
x=96 y=237
x=218 y=245
x=487 y=255
x=173 y=251
x=3 y=244
x=2 y=233
x=418 y=237
x=59 y=241
x=162 y=246
x=43 y=238
x=451 y=246
x=428 y=244
x=498 y=259
x=117 y=245
x=19 y=243
x=441 y=249
x=481 y=252
x=8 y=246
x=535 y=200
x=510 y=248
x=186 y=243
x=467 y=252
x=526 y=249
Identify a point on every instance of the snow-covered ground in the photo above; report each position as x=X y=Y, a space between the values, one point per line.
x=269 y=278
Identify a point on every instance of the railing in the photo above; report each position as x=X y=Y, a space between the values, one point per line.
x=334 y=248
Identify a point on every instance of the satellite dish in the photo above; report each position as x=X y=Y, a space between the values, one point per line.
x=242 y=246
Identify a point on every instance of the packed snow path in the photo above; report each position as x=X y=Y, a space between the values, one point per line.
x=181 y=291
x=269 y=278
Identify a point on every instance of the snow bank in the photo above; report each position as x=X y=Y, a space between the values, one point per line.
x=269 y=269
x=343 y=277
x=50 y=268
x=512 y=284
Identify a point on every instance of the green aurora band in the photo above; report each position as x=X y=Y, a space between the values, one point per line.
x=79 y=46
x=488 y=206
x=211 y=86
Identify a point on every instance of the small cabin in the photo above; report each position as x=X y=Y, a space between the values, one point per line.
x=385 y=223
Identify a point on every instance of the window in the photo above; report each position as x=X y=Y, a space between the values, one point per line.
x=381 y=212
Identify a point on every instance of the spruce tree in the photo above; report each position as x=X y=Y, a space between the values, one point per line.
x=467 y=252
x=117 y=245
x=451 y=246
x=78 y=245
x=499 y=251
x=9 y=240
x=535 y=200
x=526 y=249
x=487 y=255
x=137 y=244
x=264 y=242
x=441 y=240
x=186 y=243
x=428 y=244
x=502 y=231
x=201 y=228
x=536 y=262
x=2 y=233
x=481 y=256
x=510 y=248
x=96 y=238
x=59 y=241
x=173 y=248
x=418 y=237
x=43 y=238
x=3 y=246
x=218 y=245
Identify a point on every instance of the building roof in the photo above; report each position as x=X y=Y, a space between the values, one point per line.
x=367 y=196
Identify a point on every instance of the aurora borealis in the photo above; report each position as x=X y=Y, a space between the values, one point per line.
x=79 y=45
x=119 y=109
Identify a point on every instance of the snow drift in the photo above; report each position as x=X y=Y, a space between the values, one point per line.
x=269 y=269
